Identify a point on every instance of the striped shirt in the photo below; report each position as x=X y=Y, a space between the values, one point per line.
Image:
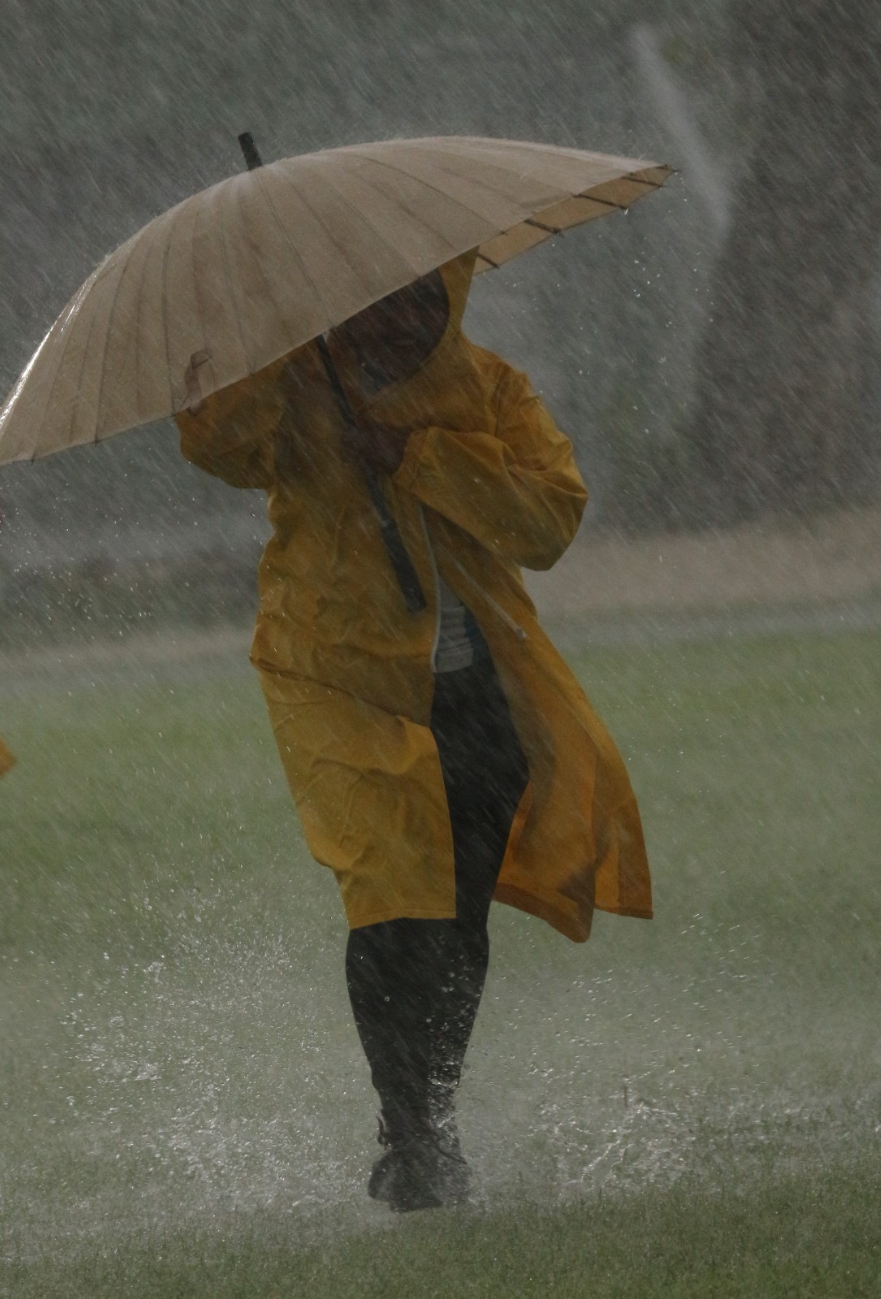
x=459 y=640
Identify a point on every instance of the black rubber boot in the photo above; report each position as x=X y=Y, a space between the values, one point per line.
x=421 y=1168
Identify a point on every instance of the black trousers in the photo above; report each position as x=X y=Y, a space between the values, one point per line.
x=415 y=985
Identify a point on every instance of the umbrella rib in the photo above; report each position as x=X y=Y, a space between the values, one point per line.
x=106 y=348
x=84 y=360
x=198 y=204
x=606 y=202
x=111 y=317
x=402 y=171
x=243 y=225
x=265 y=278
x=71 y=310
x=540 y=225
x=87 y=349
x=165 y=259
x=154 y=227
x=367 y=221
x=293 y=247
x=510 y=166
x=192 y=215
x=226 y=275
x=526 y=220
x=328 y=235
x=404 y=206
x=436 y=160
x=618 y=207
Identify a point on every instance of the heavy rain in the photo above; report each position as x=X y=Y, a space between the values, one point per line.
x=688 y=1105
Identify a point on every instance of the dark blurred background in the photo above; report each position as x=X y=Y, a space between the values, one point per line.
x=714 y=355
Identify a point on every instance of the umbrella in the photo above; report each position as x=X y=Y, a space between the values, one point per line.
x=244 y=272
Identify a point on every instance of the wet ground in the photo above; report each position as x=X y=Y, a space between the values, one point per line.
x=177 y=1049
x=177 y=1053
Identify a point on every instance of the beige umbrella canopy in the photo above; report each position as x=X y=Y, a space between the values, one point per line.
x=260 y=263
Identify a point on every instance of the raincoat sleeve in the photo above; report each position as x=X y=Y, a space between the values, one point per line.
x=517 y=489
x=233 y=434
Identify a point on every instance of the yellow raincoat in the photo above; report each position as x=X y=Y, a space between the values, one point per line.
x=487 y=486
x=6 y=759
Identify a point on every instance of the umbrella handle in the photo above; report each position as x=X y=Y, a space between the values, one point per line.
x=405 y=572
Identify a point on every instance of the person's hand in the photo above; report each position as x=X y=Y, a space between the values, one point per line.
x=378 y=446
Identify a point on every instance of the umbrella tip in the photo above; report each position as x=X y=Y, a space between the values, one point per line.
x=249 y=149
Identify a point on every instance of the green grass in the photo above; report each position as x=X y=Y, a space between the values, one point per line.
x=687 y=1107
x=786 y=1239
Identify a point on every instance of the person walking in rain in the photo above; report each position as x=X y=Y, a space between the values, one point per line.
x=443 y=757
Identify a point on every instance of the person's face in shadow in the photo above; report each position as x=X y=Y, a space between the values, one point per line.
x=395 y=335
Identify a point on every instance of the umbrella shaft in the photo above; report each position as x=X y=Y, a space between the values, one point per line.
x=405 y=572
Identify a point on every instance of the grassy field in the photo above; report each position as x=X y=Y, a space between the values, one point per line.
x=690 y=1107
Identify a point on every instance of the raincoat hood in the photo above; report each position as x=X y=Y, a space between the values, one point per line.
x=445 y=386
